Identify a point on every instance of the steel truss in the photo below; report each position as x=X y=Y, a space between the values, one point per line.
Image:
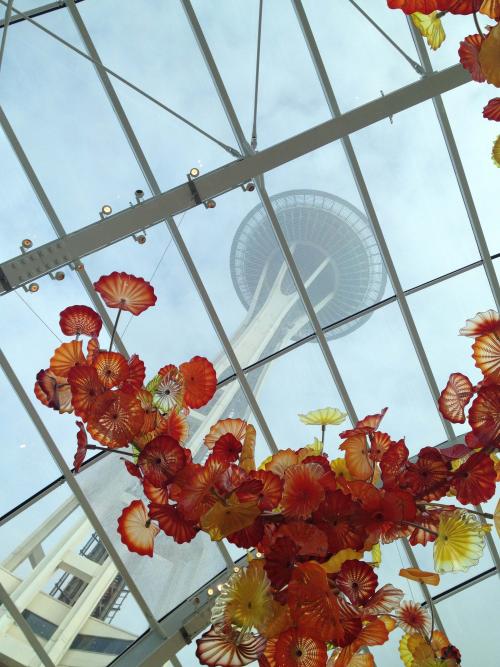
x=167 y=636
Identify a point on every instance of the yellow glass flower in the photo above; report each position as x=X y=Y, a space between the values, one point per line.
x=404 y=652
x=323 y=417
x=496 y=517
x=245 y=599
x=495 y=153
x=376 y=555
x=460 y=542
x=430 y=27
x=333 y=564
x=339 y=467
x=315 y=448
x=222 y=519
x=247 y=456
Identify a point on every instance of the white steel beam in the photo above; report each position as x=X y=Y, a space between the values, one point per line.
x=38 y=262
x=56 y=223
x=77 y=492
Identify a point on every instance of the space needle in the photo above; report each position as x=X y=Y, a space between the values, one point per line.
x=339 y=261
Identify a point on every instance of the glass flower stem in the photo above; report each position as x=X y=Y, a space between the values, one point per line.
x=478 y=27
x=323 y=429
x=107 y=449
x=114 y=329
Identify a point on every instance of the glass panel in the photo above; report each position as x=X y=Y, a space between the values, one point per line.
x=358 y=68
x=378 y=363
x=475 y=150
x=284 y=67
x=294 y=384
x=158 y=65
x=22 y=215
x=425 y=237
x=439 y=312
x=319 y=209
x=80 y=155
x=176 y=570
x=476 y=610
x=261 y=310
x=22 y=447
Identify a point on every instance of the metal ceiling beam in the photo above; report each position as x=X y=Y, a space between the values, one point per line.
x=38 y=262
x=56 y=223
x=34 y=12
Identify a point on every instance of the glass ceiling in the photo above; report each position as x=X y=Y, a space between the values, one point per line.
x=382 y=252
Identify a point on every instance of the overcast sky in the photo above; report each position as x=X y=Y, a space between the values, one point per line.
x=67 y=128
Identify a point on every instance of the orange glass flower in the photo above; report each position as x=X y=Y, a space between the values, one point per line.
x=161 y=459
x=481 y=324
x=412 y=618
x=80 y=320
x=136 y=375
x=173 y=523
x=475 y=480
x=484 y=414
x=127 y=292
x=200 y=381
x=468 y=54
x=237 y=427
x=53 y=391
x=296 y=649
x=356 y=457
x=112 y=369
x=357 y=580
x=486 y=354
x=225 y=646
x=115 y=419
x=85 y=388
x=423 y=577
x=136 y=530
x=81 y=446
x=65 y=357
x=302 y=491
x=454 y=398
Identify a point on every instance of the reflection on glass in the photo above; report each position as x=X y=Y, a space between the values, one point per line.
x=59 y=575
x=380 y=368
x=471 y=622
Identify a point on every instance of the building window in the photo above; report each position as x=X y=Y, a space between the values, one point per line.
x=40 y=626
x=109 y=645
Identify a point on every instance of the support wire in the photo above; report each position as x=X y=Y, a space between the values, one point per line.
x=257 y=70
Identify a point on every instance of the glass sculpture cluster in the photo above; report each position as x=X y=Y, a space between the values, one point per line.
x=310 y=594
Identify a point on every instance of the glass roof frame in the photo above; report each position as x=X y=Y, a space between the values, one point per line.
x=319 y=332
